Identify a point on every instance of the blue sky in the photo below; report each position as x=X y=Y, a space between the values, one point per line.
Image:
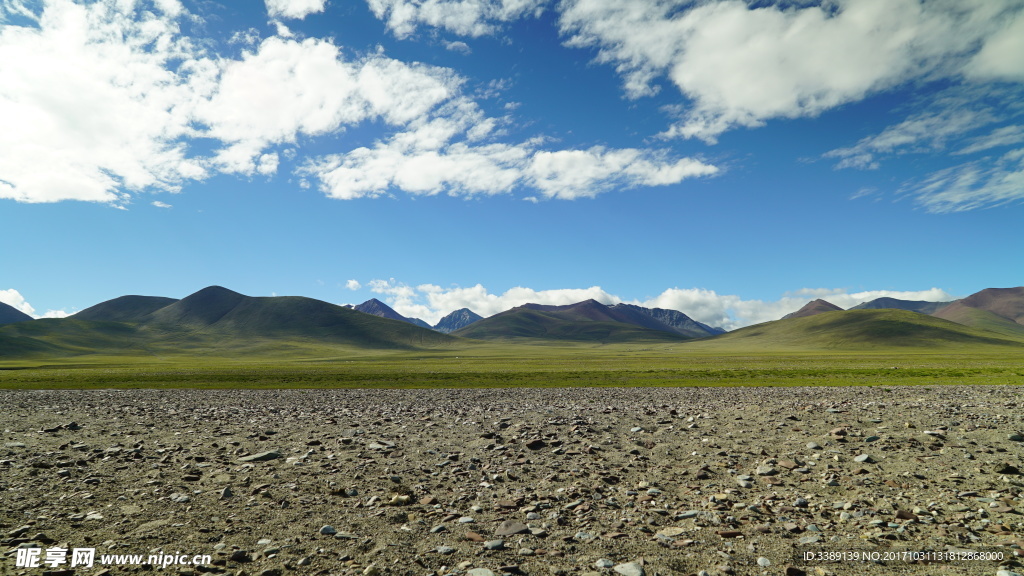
x=728 y=159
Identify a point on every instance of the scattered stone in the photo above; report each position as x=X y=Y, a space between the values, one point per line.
x=630 y=569
x=494 y=545
x=510 y=528
x=328 y=530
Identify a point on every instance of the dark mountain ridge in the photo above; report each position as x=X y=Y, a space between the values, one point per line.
x=921 y=306
x=9 y=314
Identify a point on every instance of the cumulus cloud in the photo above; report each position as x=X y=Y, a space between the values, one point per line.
x=296 y=9
x=92 y=97
x=739 y=65
x=353 y=285
x=107 y=100
x=14 y=299
x=431 y=302
x=160 y=204
x=464 y=17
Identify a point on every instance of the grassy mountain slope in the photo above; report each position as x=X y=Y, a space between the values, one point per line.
x=859 y=329
x=69 y=336
x=583 y=323
x=1005 y=302
x=125 y=309
x=982 y=319
x=922 y=306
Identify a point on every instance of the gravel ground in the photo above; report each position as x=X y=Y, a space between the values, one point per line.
x=612 y=482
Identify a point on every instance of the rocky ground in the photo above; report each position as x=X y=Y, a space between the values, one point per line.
x=480 y=482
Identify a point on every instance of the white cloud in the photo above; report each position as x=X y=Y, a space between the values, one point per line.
x=56 y=314
x=106 y=100
x=296 y=9
x=13 y=298
x=740 y=65
x=353 y=285
x=160 y=204
x=1002 y=56
x=432 y=302
x=92 y=98
x=464 y=17
x=569 y=174
x=458 y=46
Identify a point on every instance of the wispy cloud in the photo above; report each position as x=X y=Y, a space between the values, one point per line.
x=984 y=183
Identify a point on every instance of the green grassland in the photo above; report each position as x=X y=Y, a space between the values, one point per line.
x=527 y=365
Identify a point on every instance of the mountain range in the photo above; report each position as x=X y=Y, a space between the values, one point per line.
x=219 y=322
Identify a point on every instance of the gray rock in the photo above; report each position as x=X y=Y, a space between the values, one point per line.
x=604 y=563
x=813 y=446
x=261 y=457
x=809 y=540
x=179 y=497
x=863 y=458
x=630 y=569
x=1016 y=437
x=479 y=572
x=445 y=550
x=328 y=530
x=494 y=545
x=762 y=561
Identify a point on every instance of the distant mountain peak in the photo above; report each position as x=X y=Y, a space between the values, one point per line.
x=457 y=319
x=378 y=308
x=813 y=307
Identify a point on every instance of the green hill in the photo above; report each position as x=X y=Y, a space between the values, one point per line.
x=859 y=329
x=584 y=322
x=125 y=309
